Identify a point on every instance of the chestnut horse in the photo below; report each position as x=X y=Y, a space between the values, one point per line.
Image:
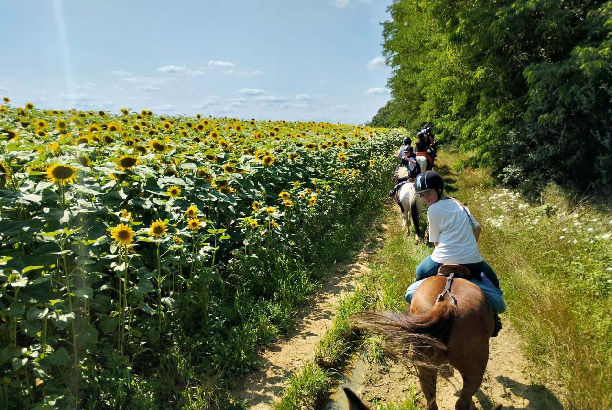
x=456 y=330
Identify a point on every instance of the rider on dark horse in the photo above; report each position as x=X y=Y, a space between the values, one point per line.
x=455 y=233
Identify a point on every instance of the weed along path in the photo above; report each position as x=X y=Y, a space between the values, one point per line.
x=261 y=389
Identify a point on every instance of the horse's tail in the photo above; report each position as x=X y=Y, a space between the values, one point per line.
x=414 y=214
x=415 y=336
x=355 y=402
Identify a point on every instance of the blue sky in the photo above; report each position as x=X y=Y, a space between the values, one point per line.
x=303 y=60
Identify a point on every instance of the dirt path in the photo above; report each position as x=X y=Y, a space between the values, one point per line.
x=262 y=388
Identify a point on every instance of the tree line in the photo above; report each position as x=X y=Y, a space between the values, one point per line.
x=527 y=84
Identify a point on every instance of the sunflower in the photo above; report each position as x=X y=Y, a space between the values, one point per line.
x=61 y=125
x=221 y=183
x=29 y=106
x=311 y=146
x=341 y=156
x=84 y=160
x=4 y=173
x=123 y=234
x=127 y=162
x=372 y=162
x=211 y=157
x=214 y=134
x=13 y=135
x=229 y=168
x=253 y=223
x=192 y=211
x=285 y=195
x=157 y=228
x=83 y=140
x=173 y=191
x=312 y=200
x=141 y=149
x=136 y=127
x=157 y=145
x=267 y=160
x=61 y=174
x=226 y=190
x=93 y=128
x=255 y=206
x=193 y=224
x=177 y=240
x=288 y=203
x=6 y=99
x=270 y=210
x=124 y=214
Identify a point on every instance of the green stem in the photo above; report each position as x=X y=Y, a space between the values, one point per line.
x=159 y=290
x=73 y=328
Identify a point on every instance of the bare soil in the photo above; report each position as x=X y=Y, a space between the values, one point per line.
x=262 y=388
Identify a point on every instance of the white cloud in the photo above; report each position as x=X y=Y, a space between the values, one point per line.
x=74 y=97
x=165 y=107
x=147 y=87
x=268 y=100
x=207 y=102
x=244 y=74
x=122 y=73
x=172 y=69
x=179 y=70
x=303 y=97
x=378 y=91
x=250 y=91
x=376 y=63
x=217 y=63
x=341 y=3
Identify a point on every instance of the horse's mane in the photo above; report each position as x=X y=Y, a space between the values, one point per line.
x=416 y=337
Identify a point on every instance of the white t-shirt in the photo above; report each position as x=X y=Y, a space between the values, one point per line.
x=450 y=227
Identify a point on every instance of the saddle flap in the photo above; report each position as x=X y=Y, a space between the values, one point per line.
x=460 y=271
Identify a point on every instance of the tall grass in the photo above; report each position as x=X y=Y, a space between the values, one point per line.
x=554 y=260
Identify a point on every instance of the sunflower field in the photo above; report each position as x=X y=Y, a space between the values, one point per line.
x=144 y=259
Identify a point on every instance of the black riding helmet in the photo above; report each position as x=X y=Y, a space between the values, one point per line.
x=407 y=141
x=429 y=180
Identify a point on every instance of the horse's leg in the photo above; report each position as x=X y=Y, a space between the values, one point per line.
x=472 y=378
x=428 y=378
x=414 y=213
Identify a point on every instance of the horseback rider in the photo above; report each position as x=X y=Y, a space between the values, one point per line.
x=412 y=167
x=455 y=233
x=404 y=152
x=430 y=142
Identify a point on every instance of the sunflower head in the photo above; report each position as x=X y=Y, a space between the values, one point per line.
x=173 y=191
x=4 y=173
x=267 y=160
x=193 y=224
x=285 y=195
x=253 y=223
x=192 y=211
x=255 y=206
x=93 y=128
x=29 y=106
x=157 y=228
x=123 y=234
x=312 y=200
x=270 y=210
x=288 y=203
x=157 y=145
x=127 y=162
x=61 y=174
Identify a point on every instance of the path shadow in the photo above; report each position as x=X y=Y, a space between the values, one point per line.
x=448 y=175
x=535 y=396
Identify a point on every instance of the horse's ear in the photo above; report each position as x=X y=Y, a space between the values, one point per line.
x=355 y=402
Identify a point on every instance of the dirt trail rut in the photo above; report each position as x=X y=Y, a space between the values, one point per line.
x=261 y=389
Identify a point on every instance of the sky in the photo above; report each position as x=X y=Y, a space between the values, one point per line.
x=297 y=60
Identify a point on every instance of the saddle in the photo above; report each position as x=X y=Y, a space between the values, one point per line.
x=451 y=271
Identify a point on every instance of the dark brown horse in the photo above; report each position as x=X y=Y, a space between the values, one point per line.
x=439 y=332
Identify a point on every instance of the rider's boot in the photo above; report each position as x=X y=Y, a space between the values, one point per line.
x=498 y=325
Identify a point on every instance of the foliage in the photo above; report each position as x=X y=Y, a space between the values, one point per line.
x=525 y=83
x=144 y=259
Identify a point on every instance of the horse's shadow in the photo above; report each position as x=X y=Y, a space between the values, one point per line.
x=535 y=396
x=447 y=173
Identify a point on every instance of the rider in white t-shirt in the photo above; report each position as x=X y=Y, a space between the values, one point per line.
x=455 y=233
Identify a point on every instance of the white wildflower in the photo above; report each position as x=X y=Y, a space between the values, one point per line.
x=589 y=229
x=606 y=235
x=562 y=237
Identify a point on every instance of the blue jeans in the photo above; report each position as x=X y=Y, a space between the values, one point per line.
x=494 y=295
